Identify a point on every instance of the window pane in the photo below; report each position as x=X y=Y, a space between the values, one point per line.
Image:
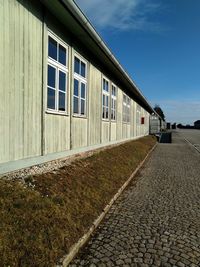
x=82 y=90
x=106 y=113
x=62 y=55
x=104 y=84
x=83 y=68
x=51 y=98
x=76 y=65
x=111 y=114
x=61 y=101
x=51 y=76
x=75 y=105
x=76 y=85
x=106 y=101
x=107 y=86
x=103 y=113
x=62 y=81
x=113 y=91
x=82 y=107
x=52 y=51
x=103 y=100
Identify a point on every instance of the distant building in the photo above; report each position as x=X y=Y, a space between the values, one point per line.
x=174 y=126
x=169 y=125
x=155 y=124
x=197 y=124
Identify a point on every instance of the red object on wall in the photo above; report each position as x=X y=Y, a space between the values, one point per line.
x=142 y=120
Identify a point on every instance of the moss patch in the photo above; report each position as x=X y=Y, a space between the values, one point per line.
x=43 y=217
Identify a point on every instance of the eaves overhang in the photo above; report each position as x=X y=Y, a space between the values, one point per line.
x=70 y=15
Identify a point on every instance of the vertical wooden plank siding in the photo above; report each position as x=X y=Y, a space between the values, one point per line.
x=105 y=131
x=23 y=76
x=95 y=107
x=4 y=29
x=132 y=118
x=138 y=116
x=20 y=75
x=148 y=117
x=135 y=107
x=119 y=114
x=141 y=125
x=113 y=131
x=2 y=81
x=79 y=132
x=124 y=130
x=57 y=133
x=128 y=135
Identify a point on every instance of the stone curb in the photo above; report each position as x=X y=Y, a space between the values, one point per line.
x=65 y=261
x=192 y=145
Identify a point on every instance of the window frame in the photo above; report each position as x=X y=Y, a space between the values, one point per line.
x=126 y=109
x=113 y=100
x=106 y=94
x=138 y=115
x=58 y=67
x=81 y=80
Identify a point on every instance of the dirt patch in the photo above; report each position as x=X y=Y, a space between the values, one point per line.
x=43 y=216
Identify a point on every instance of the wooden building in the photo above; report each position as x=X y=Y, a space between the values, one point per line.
x=61 y=87
x=156 y=124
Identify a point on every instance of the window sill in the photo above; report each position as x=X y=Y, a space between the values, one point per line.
x=56 y=113
x=105 y=120
x=79 y=116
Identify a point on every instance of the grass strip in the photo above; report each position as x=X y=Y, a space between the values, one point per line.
x=42 y=217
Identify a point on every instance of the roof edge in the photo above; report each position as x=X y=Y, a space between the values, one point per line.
x=86 y=24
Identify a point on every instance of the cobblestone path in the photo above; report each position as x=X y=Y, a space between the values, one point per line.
x=156 y=222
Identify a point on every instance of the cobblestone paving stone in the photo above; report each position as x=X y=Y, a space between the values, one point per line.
x=155 y=222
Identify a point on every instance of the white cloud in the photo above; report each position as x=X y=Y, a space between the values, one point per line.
x=185 y=112
x=121 y=14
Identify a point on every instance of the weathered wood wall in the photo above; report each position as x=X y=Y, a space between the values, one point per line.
x=20 y=79
x=119 y=113
x=26 y=128
x=94 y=103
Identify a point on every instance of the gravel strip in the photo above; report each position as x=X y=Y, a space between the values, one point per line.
x=54 y=165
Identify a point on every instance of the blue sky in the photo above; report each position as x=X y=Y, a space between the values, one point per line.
x=158 y=44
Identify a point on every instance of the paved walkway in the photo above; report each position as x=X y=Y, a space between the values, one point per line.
x=157 y=221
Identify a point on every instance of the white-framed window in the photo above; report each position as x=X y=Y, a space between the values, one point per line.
x=80 y=86
x=126 y=108
x=105 y=99
x=138 y=115
x=57 y=75
x=113 y=102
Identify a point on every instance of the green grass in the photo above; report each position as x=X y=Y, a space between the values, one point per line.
x=41 y=219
